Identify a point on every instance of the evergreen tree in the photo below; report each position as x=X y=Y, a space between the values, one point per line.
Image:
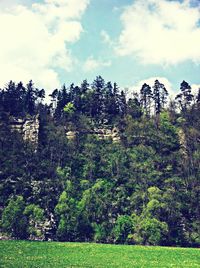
x=146 y=99
x=30 y=98
x=184 y=98
x=160 y=98
x=13 y=220
x=142 y=187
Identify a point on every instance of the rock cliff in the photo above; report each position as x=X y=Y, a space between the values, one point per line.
x=103 y=133
x=28 y=127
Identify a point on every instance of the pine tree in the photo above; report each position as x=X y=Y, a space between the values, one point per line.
x=146 y=99
x=184 y=98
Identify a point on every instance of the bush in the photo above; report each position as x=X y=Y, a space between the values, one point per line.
x=148 y=231
x=122 y=229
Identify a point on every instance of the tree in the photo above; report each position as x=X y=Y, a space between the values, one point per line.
x=35 y=217
x=69 y=108
x=10 y=98
x=142 y=188
x=14 y=222
x=160 y=98
x=40 y=94
x=122 y=229
x=134 y=107
x=85 y=95
x=62 y=99
x=184 y=98
x=97 y=99
x=146 y=98
x=84 y=86
x=30 y=98
x=122 y=104
x=66 y=212
x=54 y=99
x=148 y=229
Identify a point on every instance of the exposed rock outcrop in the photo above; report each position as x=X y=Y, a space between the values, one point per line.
x=102 y=133
x=28 y=127
x=183 y=143
x=71 y=134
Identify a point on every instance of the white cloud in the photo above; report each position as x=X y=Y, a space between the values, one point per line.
x=4 y=4
x=160 y=32
x=61 y=9
x=195 y=89
x=92 y=64
x=150 y=81
x=106 y=38
x=34 y=40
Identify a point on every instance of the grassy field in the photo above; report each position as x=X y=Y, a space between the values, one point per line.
x=54 y=254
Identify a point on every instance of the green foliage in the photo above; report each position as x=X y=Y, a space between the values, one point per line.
x=122 y=229
x=13 y=220
x=148 y=231
x=35 y=212
x=130 y=173
x=35 y=217
x=100 y=233
x=147 y=227
x=69 y=108
x=66 y=212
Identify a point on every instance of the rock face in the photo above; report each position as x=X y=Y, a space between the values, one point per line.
x=115 y=135
x=102 y=133
x=71 y=134
x=28 y=127
x=105 y=133
x=182 y=141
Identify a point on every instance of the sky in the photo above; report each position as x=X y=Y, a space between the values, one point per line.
x=129 y=42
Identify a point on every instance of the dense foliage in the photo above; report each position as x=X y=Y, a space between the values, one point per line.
x=143 y=189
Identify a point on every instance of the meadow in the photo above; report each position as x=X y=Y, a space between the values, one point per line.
x=56 y=254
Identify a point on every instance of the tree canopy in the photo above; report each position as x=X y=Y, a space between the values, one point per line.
x=142 y=188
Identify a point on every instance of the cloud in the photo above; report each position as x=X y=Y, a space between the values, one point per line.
x=106 y=38
x=160 y=32
x=195 y=89
x=4 y=4
x=92 y=64
x=150 y=81
x=34 y=40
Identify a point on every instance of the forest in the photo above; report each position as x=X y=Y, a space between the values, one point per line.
x=143 y=188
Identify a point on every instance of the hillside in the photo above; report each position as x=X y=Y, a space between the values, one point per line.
x=95 y=166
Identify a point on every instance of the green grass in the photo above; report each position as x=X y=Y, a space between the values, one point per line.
x=54 y=254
